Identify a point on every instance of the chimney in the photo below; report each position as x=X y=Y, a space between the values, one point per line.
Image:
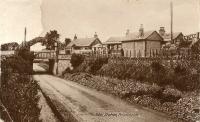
x=141 y=31
x=75 y=37
x=162 y=31
x=127 y=32
x=95 y=35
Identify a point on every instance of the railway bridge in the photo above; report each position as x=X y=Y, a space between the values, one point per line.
x=56 y=61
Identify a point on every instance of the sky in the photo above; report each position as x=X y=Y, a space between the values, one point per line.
x=85 y=17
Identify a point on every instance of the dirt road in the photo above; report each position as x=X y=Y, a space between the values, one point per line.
x=89 y=105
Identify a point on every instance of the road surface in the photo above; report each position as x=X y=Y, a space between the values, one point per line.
x=89 y=105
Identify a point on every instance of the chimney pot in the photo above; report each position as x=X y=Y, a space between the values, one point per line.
x=75 y=37
x=162 y=31
x=141 y=31
x=127 y=32
x=95 y=35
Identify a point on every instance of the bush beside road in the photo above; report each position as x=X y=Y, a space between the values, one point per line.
x=166 y=99
x=18 y=90
x=170 y=86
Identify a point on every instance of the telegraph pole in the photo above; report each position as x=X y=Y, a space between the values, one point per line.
x=171 y=13
x=57 y=52
x=24 y=41
x=25 y=35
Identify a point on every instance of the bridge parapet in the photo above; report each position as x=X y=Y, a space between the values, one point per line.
x=51 y=55
x=45 y=55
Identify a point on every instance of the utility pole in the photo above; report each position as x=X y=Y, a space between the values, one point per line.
x=25 y=35
x=24 y=41
x=57 y=52
x=198 y=12
x=171 y=13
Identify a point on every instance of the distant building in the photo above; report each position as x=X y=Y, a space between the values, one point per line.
x=192 y=37
x=85 y=45
x=177 y=37
x=114 y=45
x=142 y=43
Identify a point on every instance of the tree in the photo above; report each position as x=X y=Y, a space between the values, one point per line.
x=196 y=47
x=51 y=38
x=76 y=60
x=67 y=41
x=184 y=44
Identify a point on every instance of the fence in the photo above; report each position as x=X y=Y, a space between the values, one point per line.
x=161 y=54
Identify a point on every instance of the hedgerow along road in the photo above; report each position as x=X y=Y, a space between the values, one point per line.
x=89 y=105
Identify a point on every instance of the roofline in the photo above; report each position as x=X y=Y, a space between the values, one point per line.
x=159 y=35
x=112 y=43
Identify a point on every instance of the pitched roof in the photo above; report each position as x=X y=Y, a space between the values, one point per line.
x=115 y=40
x=167 y=36
x=129 y=37
x=135 y=35
x=82 y=42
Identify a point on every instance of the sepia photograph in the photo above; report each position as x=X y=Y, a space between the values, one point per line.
x=100 y=61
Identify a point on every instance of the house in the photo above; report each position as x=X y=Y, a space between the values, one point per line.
x=85 y=45
x=177 y=37
x=114 y=45
x=142 y=43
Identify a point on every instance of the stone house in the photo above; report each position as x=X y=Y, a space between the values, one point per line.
x=85 y=45
x=177 y=37
x=142 y=43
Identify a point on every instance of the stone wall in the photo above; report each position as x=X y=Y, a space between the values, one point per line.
x=62 y=66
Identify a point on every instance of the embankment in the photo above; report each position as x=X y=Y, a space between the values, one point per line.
x=167 y=85
x=18 y=90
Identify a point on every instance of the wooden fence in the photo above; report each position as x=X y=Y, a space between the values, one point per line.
x=162 y=54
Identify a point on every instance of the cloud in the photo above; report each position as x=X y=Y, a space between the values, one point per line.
x=84 y=17
x=15 y=16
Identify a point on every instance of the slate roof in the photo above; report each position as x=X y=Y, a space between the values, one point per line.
x=115 y=40
x=135 y=35
x=82 y=42
x=167 y=36
x=129 y=37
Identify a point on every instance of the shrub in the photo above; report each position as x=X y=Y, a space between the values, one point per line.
x=184 y=79
x=25 y=54
x=187 y=82
x=196 y=48
x=97 y=64
x=180 y=70
x=17 y=64
x=158 y=73
x=76 y=60
x=171 y=95
x=68 y=70
x=18 y=91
